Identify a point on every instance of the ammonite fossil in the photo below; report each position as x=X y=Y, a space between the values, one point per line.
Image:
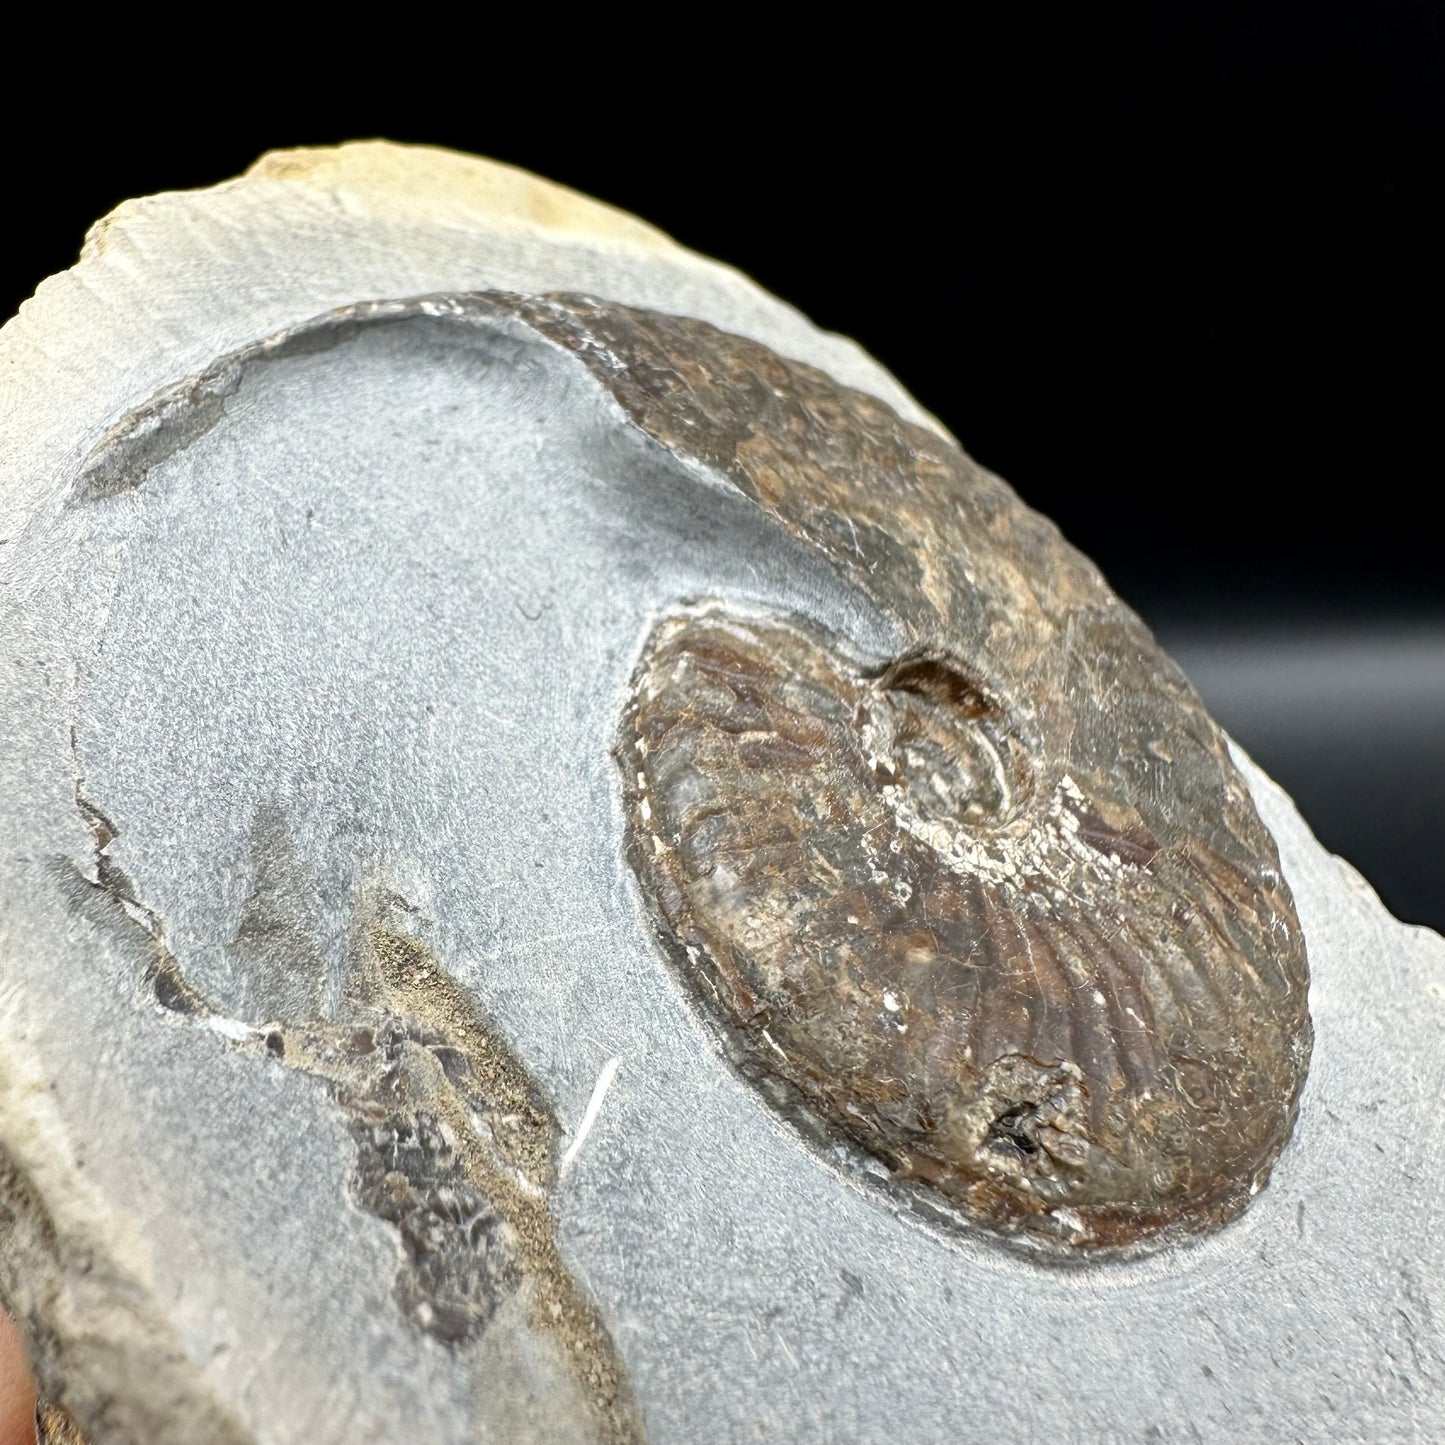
x=997 y=907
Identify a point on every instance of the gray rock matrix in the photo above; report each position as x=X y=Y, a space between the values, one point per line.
x=345 y=1091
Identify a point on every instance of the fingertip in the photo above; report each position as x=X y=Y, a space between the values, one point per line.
x=17 y=1387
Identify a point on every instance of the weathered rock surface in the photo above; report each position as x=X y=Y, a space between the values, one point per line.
x=346 y=1091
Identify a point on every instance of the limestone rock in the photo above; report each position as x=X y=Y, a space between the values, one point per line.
x=347 y=1091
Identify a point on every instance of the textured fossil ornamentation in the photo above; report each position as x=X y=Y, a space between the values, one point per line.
x=999 y=908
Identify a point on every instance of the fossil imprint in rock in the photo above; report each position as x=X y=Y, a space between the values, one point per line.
x=996 y=908
x=572 y=867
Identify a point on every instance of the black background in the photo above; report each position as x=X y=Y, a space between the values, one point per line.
x=1170 y=272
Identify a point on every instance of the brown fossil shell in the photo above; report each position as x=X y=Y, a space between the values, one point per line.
x=997 y=909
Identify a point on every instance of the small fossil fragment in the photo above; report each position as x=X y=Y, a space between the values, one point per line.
x=456 y=1147
x=455 y=1150
x=999 y=908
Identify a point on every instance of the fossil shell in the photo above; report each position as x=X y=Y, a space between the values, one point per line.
x=998 y=908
